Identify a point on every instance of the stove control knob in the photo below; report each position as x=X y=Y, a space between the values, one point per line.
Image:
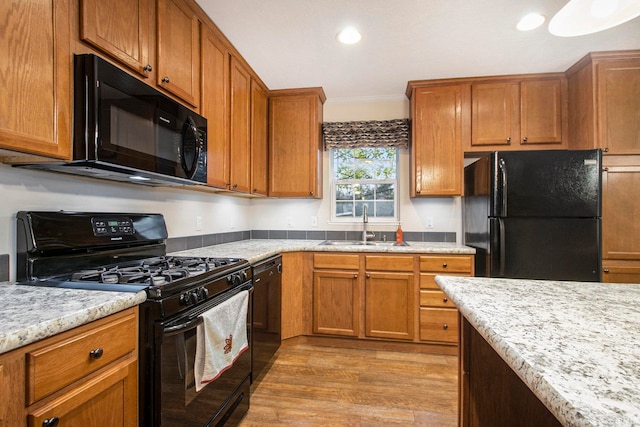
x=193 y=298
x=234 y=279
x=203 y=293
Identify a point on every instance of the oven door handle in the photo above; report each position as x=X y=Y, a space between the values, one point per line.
x=177 y=329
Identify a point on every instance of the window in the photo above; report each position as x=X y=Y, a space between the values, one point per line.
x=364 y=176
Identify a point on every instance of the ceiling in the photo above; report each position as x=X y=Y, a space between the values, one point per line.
x=292 y=43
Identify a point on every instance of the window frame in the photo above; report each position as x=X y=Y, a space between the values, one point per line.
x=333 y=184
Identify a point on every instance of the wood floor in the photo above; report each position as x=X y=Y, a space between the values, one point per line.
x=309 y=385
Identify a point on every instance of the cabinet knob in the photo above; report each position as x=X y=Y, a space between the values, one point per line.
x=235 y=185
x=605 y=149
x=525 y=139
x=311 y=193
x=606 y=270
x=444 y=265
x=445 y=299
x=165 y=79
x=50 y=422
x=508 y=139
x=445 y=326
x=255 y=190
x=368 y=276
x=355 y=276
x=96 y=354
x=148 y=68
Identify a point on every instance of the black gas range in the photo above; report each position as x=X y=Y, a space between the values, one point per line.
x=126 y=252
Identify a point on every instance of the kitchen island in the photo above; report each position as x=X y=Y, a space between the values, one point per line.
x=575 y=346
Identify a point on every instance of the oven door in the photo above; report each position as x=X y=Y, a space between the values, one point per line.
x=227 y=398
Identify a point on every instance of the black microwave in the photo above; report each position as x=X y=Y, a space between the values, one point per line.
x=125 y=130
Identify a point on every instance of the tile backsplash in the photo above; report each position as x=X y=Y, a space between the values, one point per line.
x=4 y=268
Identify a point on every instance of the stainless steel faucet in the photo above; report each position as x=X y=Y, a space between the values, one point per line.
x=365 y=219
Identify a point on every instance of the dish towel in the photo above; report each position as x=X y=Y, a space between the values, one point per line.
x=221 y=338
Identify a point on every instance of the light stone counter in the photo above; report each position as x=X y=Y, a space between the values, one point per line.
x=575 y=345
x=29 y=313
x=256 y=250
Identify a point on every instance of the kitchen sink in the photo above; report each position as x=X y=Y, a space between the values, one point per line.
x=360 y=243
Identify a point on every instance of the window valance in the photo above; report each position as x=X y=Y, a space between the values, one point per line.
x=372 y=133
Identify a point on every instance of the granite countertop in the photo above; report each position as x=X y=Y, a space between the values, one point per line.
x=256 y=250
x=30 y=313
x=575 y=345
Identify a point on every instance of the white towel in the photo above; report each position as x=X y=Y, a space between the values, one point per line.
x=221 y=338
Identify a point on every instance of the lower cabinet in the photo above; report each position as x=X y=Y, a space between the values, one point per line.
x=438 y=316
x=385 y=296
x=87 y=376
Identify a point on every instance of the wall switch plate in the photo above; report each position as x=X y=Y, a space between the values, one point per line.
x=429 y=223
x=198 y=223
x=314 y=221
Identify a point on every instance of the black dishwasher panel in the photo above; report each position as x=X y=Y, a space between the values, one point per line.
x=267 y=294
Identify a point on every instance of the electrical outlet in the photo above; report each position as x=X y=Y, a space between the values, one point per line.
x=198 y=223
x=289 y=221
x=314 y=221
x=429 y=223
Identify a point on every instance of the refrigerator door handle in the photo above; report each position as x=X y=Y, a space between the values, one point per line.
x=502 y=251
x=503 y=172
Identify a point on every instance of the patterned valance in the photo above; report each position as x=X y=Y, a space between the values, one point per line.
x=373 y=133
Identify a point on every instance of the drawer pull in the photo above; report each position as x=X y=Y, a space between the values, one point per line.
x=96 y=354
x=445 y=299
x=355 y=276
x=445 y=326
x=50 y=422
x=606 y=270
x=444 y=264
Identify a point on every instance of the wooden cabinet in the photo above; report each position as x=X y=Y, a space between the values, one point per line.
x=215 y=107
x=120 y=29
x=389 y=296
x=178 y=47
x=438 y=316
x=240 y=170
x=604 y=92
x=620 y=227
x=295 y=142
x=441 y=122
x=259 y=139
x=85 y=376
x=35 y=107
x=519 y=114
x=336 y=294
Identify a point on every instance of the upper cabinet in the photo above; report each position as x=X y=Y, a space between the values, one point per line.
x=441 y=122
x=295 y=142
x=240 y=172
x=604 y=91
x=259 y=139
x=120 y=29
x=178 y=46
x=36 y=103
x=519 y=113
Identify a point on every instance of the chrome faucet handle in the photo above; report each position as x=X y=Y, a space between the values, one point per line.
x=365 y=214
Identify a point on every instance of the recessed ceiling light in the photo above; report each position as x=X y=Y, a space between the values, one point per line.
x=530 y=21
x=580 y=17
x=349 y=36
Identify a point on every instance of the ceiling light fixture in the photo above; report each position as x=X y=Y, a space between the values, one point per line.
x=530 y=21
x=349 y=36
x=581 y=17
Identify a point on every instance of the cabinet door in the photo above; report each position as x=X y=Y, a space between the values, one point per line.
x=259 y=139
x=495 y=114
x=389 y=305
x=620 y=213
x=240 y=128
x=215 y=107
x=119 y=29
x=336 y=299
x=542 y=106
x=440 y=117
x=108 y=400
x=178 y=39
x=35 y=106
x=295 y=151
x=618 y=101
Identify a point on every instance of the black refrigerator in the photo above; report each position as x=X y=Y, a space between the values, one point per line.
x=535 y=214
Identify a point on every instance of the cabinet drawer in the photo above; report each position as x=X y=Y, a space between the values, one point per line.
x=388 y=263
x=428 y=280
x=457 y=264
x=435 y=299
x=337 y=261
x=439 y=324
x=57 y=365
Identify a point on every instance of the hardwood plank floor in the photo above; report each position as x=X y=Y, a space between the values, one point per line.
x=310 y=385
